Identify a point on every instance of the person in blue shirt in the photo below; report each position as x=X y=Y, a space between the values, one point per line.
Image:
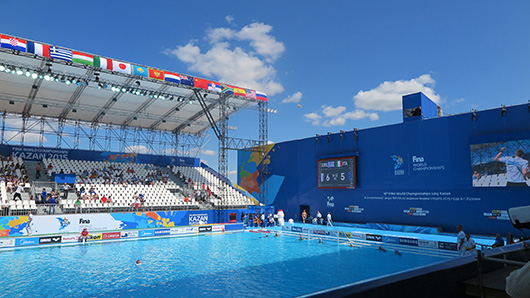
x=52 y=204
x=498 y=241
x=43 y=196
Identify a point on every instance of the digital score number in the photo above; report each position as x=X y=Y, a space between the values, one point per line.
x=336 y=172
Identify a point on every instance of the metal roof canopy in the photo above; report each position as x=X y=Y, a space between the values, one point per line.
x=146 y=103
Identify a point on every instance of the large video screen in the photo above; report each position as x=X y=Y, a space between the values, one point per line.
x=336 y=172
x=501 y=164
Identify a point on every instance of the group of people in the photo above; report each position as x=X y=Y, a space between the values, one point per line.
x=201 y=194
x=467 y=246
x=318 y=219
x=259 y=219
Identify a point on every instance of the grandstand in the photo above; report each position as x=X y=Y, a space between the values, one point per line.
x=115 y=107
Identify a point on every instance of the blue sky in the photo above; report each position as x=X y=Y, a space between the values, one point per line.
x=327 y=66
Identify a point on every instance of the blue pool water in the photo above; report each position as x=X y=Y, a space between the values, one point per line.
x=231 y=265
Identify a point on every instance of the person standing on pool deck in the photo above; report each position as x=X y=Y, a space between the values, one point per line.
x=329 y=220
x=304 y=216
x=460 y=241
x=30 y=221
x=471 y=246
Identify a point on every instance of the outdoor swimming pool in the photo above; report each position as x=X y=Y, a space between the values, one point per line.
x=231 y=265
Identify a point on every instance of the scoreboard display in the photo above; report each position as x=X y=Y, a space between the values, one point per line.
x=336 y=172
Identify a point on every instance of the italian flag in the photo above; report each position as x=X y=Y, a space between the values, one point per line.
x=103 y=63
x=82 y=58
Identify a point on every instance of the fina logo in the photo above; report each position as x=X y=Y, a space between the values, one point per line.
x=331 y=201
x=398 y=162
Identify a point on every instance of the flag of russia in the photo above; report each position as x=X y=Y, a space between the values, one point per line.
x=261 y=96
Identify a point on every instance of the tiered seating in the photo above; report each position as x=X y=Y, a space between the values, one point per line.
x=12 y=173
x=230 y=197
x=19 y=207
x=496 y=180
x=121 y=186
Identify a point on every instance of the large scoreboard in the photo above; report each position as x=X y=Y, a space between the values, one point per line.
x=336 y=172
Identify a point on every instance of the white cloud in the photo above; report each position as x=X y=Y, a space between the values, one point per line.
x=459 y=100
x=208 y=152
x=388 y=95
x=294 y=98
x=249 y=68
x=138 y=149
x=229 y=19
x=29 y=137
x=314 y=118
x=337 y=116
x=330 y=111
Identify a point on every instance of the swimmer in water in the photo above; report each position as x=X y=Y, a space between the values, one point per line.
x=276 y=235
x=301 y=237
x=397 y=252
x=320 y=240
x=351 y=244
x=382 y=249
x=266 y=236
x=138 y=262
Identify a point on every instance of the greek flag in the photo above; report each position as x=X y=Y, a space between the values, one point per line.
x=61 y=54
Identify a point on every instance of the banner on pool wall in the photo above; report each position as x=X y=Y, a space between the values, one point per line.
x=501 y=164
x=39 y=153
x=75 y=223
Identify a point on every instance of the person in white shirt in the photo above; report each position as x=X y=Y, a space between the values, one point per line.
x=28 y=225
x=319 y=218
x=18 y=192
x=516 y=167
x=329 y=220
x=460 y=241
x=471 y=246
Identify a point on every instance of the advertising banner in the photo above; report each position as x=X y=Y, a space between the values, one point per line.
x=129 y=234
x=162 y=232
x=113 y=235
x=26 y=241
x=94 y=237
x=7 y=242
x=146 y=233
x=50 y=240
x=205 y=229
x=70 y=238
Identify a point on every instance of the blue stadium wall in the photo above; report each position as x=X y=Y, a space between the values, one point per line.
x=412 y=173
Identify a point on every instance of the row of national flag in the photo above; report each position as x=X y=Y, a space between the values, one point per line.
x=54 y=52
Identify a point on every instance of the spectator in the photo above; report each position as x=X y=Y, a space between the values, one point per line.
x=52 y=203
x=5 y=208
x=43 y=196
x=77 y=205
x=38 y=169
x=498 y=241
x=18 y=192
